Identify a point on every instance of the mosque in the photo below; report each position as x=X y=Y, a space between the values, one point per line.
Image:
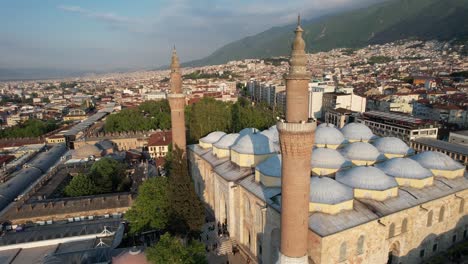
x=301 y=193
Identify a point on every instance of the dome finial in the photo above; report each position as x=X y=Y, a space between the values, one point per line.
x=299 y=19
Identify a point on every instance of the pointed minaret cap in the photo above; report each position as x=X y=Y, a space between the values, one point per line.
x=298 y=60
x=175 y=59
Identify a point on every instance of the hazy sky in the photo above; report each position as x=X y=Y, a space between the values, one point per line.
x=123 y=34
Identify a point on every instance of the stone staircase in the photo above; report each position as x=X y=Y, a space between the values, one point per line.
x=224 y=246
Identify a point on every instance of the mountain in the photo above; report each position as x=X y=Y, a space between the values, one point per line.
x=381 y=23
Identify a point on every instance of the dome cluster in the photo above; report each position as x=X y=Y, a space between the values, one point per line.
x=345 y=164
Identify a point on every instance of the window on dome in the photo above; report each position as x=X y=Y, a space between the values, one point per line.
x=441 y=214
x=342 y=252
x=404 y=226
x=429 y=219
x=391 y=231
x=360 y=245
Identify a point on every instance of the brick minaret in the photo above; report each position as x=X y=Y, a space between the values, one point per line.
x=296 y=139
x=177 y=103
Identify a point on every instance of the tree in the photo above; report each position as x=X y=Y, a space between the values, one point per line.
x=80 y=185
x=151 y=208
x=188 y=212
x=108 y=175
x=209 y=115
x=171 y=250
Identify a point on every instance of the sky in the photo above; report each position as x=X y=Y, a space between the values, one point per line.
x=106 y=35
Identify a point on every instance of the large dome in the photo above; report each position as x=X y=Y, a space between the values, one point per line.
x=256 y=144
x=392 y=145
x=271 y=166
x=404 y=168
x=226 y=141
x=361 y=151
x=366 y=177
x=328 y=158
x=325 y=125
x=271 y=135
x=325 y=190
x=247 y=131
x=212 y=137
x=436 y=161
x=328 y=135
x=357 y=132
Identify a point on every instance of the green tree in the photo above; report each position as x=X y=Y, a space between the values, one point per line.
x=188 y=212
x=80 y=185
x=172 y=250
x=108 y=175
x=151 y=209
x=209 y=115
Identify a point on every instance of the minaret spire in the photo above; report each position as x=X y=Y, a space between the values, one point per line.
x=176 y=77
x=296 y=139
x=176 y=99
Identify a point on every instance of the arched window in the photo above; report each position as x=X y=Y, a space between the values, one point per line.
x=343 y=252
x=404 y=226
x=391 y=231
x=441 y=214
x=429 y=218
x=246 y=207
x=462 y=206
x=360 y=245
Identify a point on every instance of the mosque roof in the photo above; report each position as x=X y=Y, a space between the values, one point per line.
x=366 y=177
x=248 y=130
x=436 y=161
x=325 y=190
x=357 y=131
x=328 y=158
x=404 y=168
x=226 y=141
x=325 y=125
x=392 y=145
x=257 y=144
x=274 y=137
x=328 y=135
x=212 y=137
x=361 y=151
x=271 y=166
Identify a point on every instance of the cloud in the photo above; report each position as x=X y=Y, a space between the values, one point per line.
x=109 y=18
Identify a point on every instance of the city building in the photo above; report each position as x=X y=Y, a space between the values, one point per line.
x=158 y=144
x=340 y=117
x=348 y=101
x=459 y=137
x=402 y=126
x=315 y=102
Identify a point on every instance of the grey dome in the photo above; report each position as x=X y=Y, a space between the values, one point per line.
x=271 y=135
x=271 y=166
x=392 y=145
x=212 y=137
x=366 y=177
x=437 y=161
x=226 y=141
x=404 y=168
x=326 y=125
x=247 y=131
x=357 y=131
x=361 y=151
x=256 y=144
x=325 y=190
x=328 y=135
x=328 y=158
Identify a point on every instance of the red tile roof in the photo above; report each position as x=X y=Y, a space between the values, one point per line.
x=162 y=138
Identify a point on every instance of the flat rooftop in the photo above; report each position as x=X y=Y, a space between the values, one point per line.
x=452 y=147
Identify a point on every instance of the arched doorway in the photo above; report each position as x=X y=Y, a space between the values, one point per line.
x=393 y=253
